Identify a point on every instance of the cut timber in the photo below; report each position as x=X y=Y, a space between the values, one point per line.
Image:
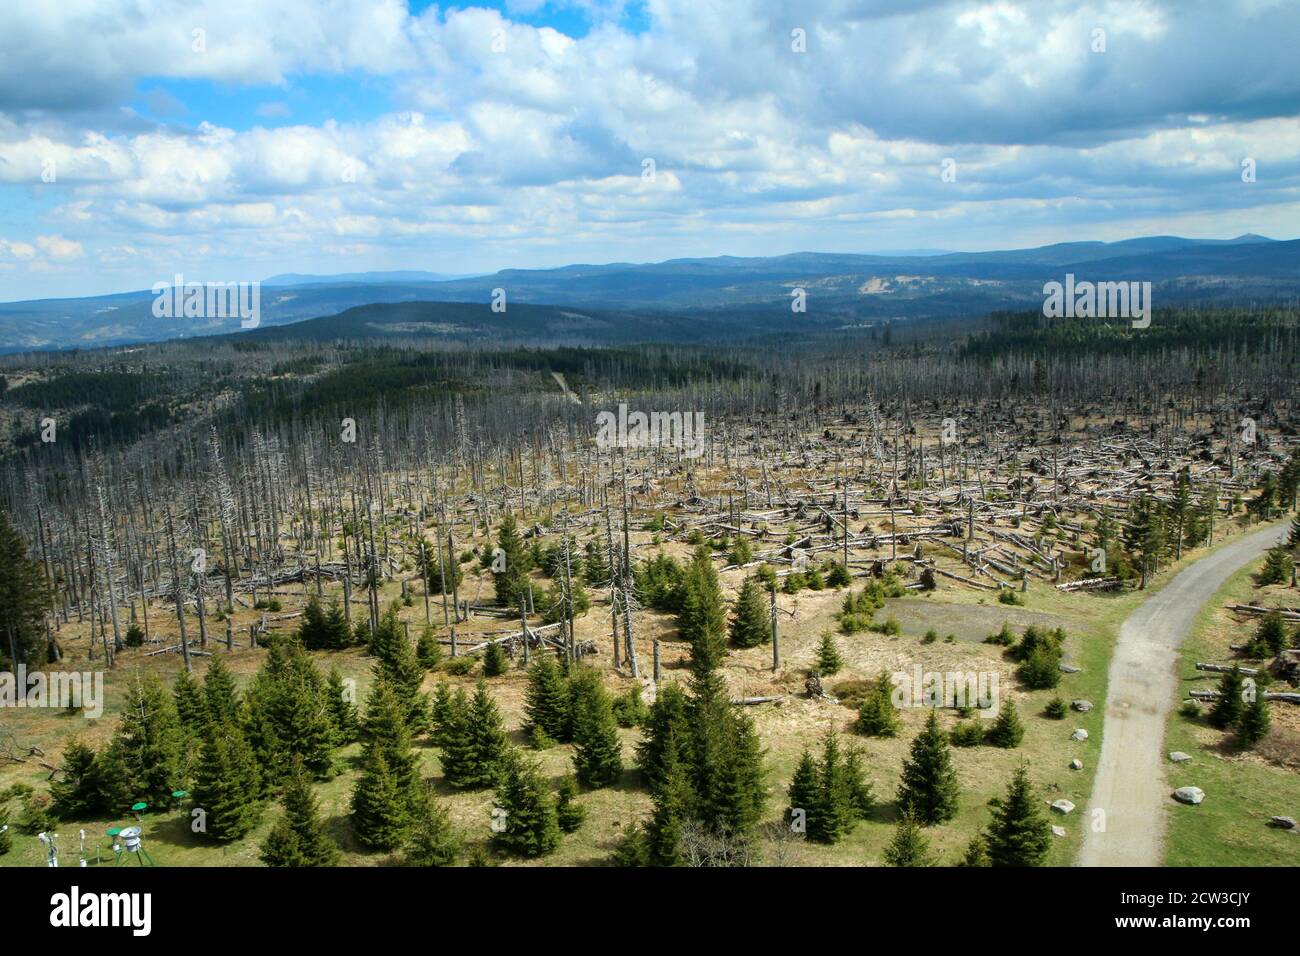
x=755 y=700
x=1090 y=584
x=1288 y=698
x=1226 y=669
x=1287 y=615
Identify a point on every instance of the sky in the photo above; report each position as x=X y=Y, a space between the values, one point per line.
x=232 y=140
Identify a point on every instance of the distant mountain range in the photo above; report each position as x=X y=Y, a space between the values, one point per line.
x=638 y=301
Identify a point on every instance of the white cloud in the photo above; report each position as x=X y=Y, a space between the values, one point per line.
x=510 y=157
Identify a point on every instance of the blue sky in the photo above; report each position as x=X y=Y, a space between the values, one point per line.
x=234 y=139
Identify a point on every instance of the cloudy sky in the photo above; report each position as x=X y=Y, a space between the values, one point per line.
x=236 y=139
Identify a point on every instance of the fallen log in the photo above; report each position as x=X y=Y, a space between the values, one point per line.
x=746 y=701
x=1285 y=697
x=1226 y=669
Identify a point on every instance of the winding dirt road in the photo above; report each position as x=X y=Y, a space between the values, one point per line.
x=1130 y=783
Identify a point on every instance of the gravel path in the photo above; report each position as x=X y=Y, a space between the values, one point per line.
x=1130 y=783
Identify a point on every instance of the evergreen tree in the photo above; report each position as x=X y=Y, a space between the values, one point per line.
x=598 y=751
x=191 y=705
x=431 y=842
x=428 y=651
x=312 y=632
x=750 y=625
x=1270 y=636
x=336 y=634
x=856 y=793
x=568 y=812
x=219 y=693
x=442 y=715
x=805 y=791
x=529 y=825
x=23 y=601
x=673 y=803
x=977 y=851
x=1254 y=722
x=557 y=604
x=72 y=790
x=668 y=728
x=725 y=761
x=226 y=784
x=343 y=713
x=595 y=565
x=474 y=749
x=1007 y=731
x=149 y=740
x=287 y=713
x=110 y=785
x=494 y=661
x=381 y=806
x=909 y=847
x=298 y=837
x=400 y=667
x=702 y=620
x=1294 y=538
x=385 y=729
x=1020 y=833
x=1180 y=510
x=877 y=715
x=547 y=703
x=1227 y=709
x=1277 y=566
x=511 y=581
x=929 y=786
x=828 y=655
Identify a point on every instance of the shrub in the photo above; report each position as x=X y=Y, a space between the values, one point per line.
x=967 y=733
x=1041 y=671
x=1008 y=596
x=629 y=709
x=495 y=661
x=458 y=666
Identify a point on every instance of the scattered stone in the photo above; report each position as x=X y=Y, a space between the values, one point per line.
x=1063 y=806
x=1076 y=764
x=1177 y=756
x=1069 y=668
x=1079 y=734
x=1192 y=795
x=1082 y=706
x=1058 y=831
x=1282 y=823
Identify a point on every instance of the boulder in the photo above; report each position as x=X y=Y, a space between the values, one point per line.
x=1192 y=795
x=1079 y=734
x=1082 y=706
x=1063 y=806
x=1069 y=668
x=1076 y=764
x=1058 y=831
x=1177 y=756
x=1282 y=823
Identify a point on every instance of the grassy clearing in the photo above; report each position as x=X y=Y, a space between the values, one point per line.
x=1242 y=789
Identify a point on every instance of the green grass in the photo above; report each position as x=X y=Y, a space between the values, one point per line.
x=1241 y=790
